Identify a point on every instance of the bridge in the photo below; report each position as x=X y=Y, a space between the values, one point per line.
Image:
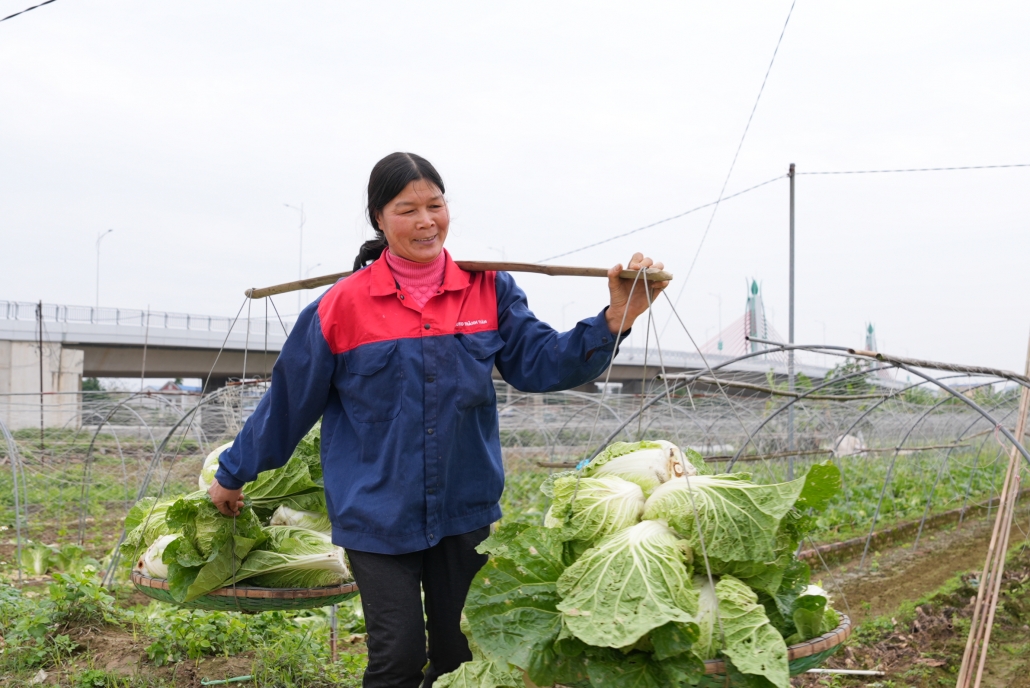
x=120 y=342
x=82 y=341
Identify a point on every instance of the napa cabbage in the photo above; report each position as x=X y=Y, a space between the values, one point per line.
x=629 y=583
x=812 y=615
x=35 y=558
x=210 y=467
x=733 y=623
x=293 y=557
x=590 y=508
x=150 y=562
x=312 y=520
x=737 y=519
x=297 y=484
x=646 y=463
x=211 y=548
x=144 y=524
x=481 y=673
x=603 y=595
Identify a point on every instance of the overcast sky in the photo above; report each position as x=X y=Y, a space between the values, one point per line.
x=186 y=126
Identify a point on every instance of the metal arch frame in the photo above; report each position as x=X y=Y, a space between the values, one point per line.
x=961 y=397
x=795 y=400
x=16 y=464
x=539 y=426
x=935 y=381
x=145 y=485
x=866 y=414
x=944 y=463
x=598 y=405
x=87 y=462
x=890 y=471
x=953 y=394
x=685 y=382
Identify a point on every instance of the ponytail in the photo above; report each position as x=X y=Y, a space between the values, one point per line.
x=370 y=250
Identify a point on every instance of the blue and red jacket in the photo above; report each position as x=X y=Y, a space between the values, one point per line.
x=411 y=451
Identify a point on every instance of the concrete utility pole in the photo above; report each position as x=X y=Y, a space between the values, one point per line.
x=300 y=256
x=100 y=236
x=39 y=326
x=790 y=334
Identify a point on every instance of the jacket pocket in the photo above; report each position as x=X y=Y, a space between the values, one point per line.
x=372 y=387
x=476 y=366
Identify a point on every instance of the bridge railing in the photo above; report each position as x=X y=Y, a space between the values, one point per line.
x=129 y=317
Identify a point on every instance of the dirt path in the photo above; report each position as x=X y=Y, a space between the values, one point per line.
x=901 y=573
x=922 y=647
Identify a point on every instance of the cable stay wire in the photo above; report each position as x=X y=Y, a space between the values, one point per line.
x=659 y=222
x=27 y=9
x=729 y=172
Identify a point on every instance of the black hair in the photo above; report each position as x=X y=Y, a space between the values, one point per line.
x=389 y=177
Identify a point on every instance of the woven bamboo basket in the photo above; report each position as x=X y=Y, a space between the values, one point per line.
x=249 y=599
x=800 y=657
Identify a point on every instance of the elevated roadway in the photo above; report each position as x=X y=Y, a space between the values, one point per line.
x=114 y=341
x=118 y=342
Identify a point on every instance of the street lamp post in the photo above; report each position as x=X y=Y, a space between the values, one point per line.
x=790 y=334
x=300 y=253
x=718 y=297
x=100 y=236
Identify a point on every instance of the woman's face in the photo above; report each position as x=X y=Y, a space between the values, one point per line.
x=415 y=222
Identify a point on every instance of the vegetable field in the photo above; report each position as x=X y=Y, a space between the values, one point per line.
x=920 y=474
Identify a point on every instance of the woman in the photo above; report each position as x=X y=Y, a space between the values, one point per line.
x=397 y=360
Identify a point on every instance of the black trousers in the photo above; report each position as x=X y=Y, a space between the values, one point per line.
x=391 y=588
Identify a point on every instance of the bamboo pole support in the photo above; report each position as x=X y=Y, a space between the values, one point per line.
x=994 y=564
x=650 y=274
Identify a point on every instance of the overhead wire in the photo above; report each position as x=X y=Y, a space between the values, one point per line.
x=918 y=169
x=27 y=9
x=770 y=181
x=663 y=221
x=736 y=154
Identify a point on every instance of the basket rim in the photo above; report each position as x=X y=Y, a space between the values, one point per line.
x=141 y=580
x=808 y=648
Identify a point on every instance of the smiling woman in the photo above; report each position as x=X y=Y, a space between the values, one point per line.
x=398 y=360
x=407 y=210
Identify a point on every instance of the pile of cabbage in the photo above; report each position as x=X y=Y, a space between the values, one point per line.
x=613 y=589
x=280 y=539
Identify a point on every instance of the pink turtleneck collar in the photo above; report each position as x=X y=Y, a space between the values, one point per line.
x=420 y=281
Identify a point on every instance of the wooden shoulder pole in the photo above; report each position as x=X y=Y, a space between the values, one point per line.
x=651 y=275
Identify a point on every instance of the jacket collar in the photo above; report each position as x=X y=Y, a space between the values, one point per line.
x=384 y=284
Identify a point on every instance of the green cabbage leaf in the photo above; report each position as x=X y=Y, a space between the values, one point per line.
x=294 y=557
x=737 y=519
x=734 y=623
x=511 y=606
x=628 y=584
x=212 y=546
x=481 y=673
x=588 y=509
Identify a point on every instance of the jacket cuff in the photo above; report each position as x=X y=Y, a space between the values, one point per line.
x=599 y=337
x=226 y=479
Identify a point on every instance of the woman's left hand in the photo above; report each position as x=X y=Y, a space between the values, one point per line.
x=625 y=307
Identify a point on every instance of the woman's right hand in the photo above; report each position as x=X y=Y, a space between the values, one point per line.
x=229 y=502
